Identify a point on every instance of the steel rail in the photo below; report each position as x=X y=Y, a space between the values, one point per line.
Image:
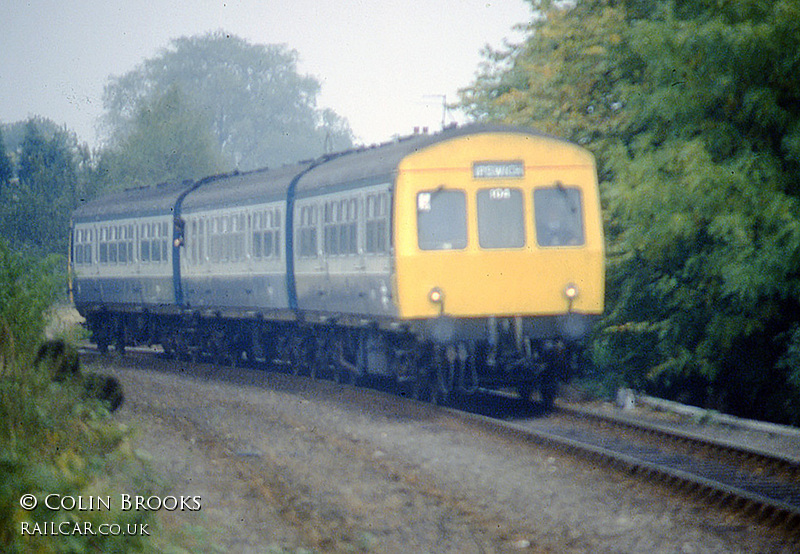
x=776 y=461
x=746 y=501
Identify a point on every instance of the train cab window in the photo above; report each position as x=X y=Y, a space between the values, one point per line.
x=558 y=216
x=442 y=219
x=501 y=218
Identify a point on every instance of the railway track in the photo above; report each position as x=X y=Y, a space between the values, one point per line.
x=760 y=485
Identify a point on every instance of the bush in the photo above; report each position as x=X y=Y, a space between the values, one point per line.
x=53 y=440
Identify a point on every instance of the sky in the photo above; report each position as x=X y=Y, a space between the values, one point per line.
x=384 y=65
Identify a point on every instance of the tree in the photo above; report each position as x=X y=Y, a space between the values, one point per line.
x=693 y=111
x=46 y=166
x=36 y=207
x=167 y=141
x=563 y=79
x=6 y=169
x=261 y=110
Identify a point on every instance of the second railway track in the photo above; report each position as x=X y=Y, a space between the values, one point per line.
x=760 y=484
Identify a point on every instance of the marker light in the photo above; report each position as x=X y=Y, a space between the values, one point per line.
x=436 y=295
x=571 y=291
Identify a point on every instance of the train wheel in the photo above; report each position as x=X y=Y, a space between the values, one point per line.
x=168 y=344
x=420 y=386
x=298 y=355
x=525 y=391
x=102 y=343
x=119 y=339
x=548 y=391
x=438 y=397
x=341 y=373
x=100 y=333
x=556 y=368
x=343 y=376
x=526 y=396
x=442 y=376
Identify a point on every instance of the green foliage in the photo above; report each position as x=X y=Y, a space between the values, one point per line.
x=54 y=173
x=28 y=288
x=6 y=169
x=168 y=141
x=562 y=79
x=693 y=111
x=261 y=111
x=51 y=442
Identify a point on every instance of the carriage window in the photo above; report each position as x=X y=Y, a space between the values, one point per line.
x=377 y=223
x=83 y=247
x=442 y=219
x=501 y=218
x=202 y=255
x=155 y=251
x=266 y=234
x=308 y=232
x=153 y=243
x=237 y=230
x=340 y=226
x=559 y=217
x=192 y=240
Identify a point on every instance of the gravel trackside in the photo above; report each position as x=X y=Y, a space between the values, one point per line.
x=286 y=462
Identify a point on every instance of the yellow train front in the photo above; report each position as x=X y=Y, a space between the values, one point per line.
x=498 y=258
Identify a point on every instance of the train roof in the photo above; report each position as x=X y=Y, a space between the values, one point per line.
x=378 y=164
x=361 y=166
x=135 y=202
x=252 y=187
x=365 y=165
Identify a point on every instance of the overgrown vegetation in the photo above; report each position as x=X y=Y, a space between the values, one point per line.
x=692 y=108
x=52 y=440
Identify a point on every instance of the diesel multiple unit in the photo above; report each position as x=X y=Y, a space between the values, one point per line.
x=468 y=259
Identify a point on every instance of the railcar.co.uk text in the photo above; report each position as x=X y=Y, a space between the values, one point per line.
x=123 y=502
